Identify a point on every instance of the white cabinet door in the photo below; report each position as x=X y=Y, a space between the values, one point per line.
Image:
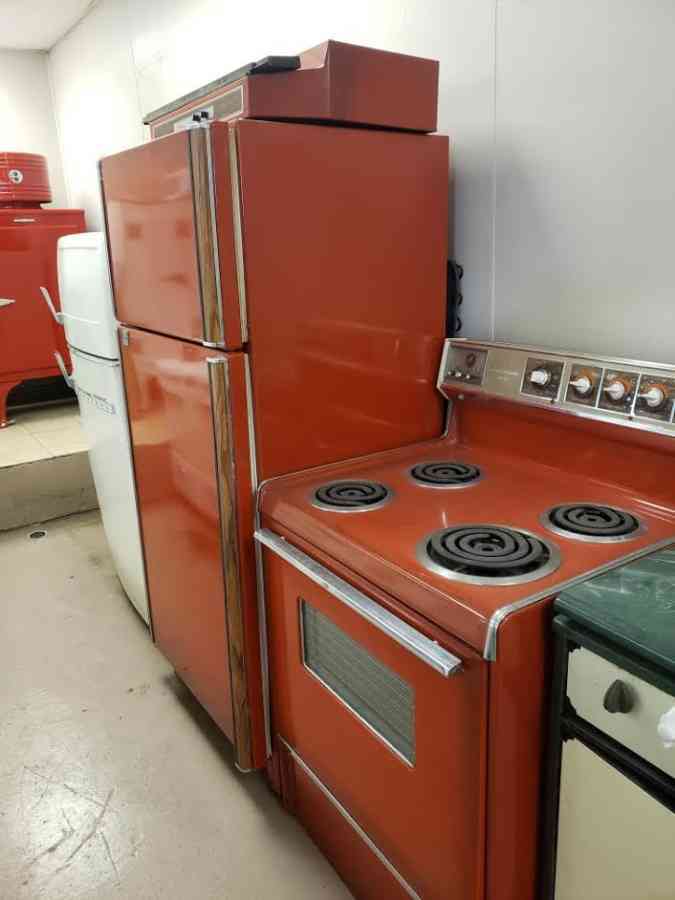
x=615 y=842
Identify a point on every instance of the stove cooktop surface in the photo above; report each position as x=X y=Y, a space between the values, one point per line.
x=512 y=532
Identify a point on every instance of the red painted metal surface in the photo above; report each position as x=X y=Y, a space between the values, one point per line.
x=171 y=419
x=360 y=868
x=24 y=180
x=531 y=460
x=382 y=544
x=29 y=334
x=400 y=807
x=345 y=239
x=336 y=82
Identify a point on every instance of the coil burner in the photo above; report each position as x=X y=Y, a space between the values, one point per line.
x=487 y=554
x=445 y=474
x=588 y=522
x=351 y=496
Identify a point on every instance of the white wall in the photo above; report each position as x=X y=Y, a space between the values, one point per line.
x=27 y=121
x=560 y=117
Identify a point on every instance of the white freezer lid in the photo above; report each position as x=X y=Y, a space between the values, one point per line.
x=86 y=294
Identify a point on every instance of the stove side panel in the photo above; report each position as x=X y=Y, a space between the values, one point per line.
x=516 y=733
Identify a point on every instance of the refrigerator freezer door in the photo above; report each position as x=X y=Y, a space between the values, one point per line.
x=169 y=214
x=100 y=392
x=86 y=297
x=188 y=412
x=345 y=233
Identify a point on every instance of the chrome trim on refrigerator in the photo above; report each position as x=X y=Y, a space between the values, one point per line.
x=238 y=678
x=399 y=631
x=259 y=569
x=498 y=616
x=335 y=803
x=214 y=229
x=4 y=301
x=238 y=232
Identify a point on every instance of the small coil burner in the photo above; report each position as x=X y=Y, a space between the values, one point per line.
x=351 y=496
x=487 y=554
x=589 y=522
x=445 y=474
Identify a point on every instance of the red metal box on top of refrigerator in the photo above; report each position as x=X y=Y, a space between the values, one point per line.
x=282 y=293
x=334 y=82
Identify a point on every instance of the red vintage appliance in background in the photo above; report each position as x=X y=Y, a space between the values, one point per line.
x=281 y=289
x=409 y=596
x=29 y=335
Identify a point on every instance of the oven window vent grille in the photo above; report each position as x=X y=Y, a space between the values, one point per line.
x=383 y=701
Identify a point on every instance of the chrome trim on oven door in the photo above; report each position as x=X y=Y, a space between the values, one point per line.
x=412 y=640
x=332 y=799
x=238 y=232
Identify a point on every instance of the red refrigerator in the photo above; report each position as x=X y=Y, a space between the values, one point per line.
x=282 y=293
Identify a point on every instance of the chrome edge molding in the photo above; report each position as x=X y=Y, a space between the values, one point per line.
x=238 y=232
x=259 y=570
x=547 y=351
x=332 y=799
x=214 y=231
x=498 y=616
x=409 y=638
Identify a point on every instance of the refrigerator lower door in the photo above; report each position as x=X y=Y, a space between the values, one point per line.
x=614 y=840
x=188 y=413
x=100 y=392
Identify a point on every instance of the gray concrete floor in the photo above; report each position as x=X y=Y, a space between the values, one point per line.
x=113 y=782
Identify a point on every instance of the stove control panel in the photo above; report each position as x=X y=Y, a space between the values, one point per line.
x=641 y=395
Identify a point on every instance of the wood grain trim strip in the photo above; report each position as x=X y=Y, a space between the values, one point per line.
x=225 y=476
x=205 y=236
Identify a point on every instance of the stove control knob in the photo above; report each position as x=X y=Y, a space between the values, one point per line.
x=666 y=728
x=654 y=397
x=582 y=385
x=615 y=390
x=540 y=377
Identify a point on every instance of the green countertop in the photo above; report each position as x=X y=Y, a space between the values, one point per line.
x=633 y=606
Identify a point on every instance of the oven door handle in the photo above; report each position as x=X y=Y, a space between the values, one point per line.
x=412 y=640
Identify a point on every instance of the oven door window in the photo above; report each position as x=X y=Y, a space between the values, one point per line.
x=382 y=700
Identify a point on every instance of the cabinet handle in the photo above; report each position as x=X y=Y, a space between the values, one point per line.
x=416 y=643
x=618 y=698
x=5 y=302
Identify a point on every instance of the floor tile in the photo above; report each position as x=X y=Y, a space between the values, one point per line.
x=51 y=418
x=61 y=442
x=17 y=446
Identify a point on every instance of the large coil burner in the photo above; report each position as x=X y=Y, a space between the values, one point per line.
x=488 y=554
x=591 y=522
x=351 y=496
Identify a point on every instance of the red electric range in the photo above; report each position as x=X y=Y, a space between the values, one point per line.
x=30 y=337
x=408 y=598
x=281 y=289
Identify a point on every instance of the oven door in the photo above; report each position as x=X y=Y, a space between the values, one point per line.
x=390 y=723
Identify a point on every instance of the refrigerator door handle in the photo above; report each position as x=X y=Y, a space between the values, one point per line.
x=206 y=236
x=219 y=384
x=70 y=381
x=58 y=316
